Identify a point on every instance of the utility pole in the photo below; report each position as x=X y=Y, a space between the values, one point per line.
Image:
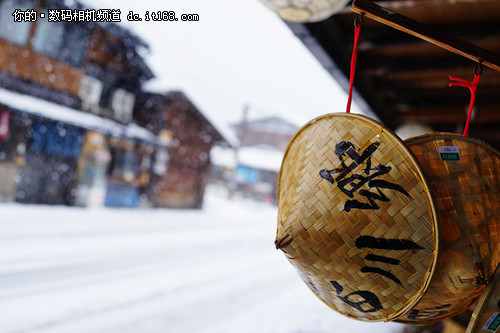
x=242 y=129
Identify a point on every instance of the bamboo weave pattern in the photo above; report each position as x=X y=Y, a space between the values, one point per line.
x=356 y=217
x=467 y=192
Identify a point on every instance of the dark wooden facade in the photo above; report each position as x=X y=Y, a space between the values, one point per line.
x=24 y=63
x=104 y=51
x=85 y=68
x=52 y=61
x=192 y=137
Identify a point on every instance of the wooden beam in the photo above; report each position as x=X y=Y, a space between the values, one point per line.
x=430 y=78
x=446 y=11
x=483 y=115
x=406 y=50
x=452 y=95
x=435 y=13
x=403 y=23
x=418 y=48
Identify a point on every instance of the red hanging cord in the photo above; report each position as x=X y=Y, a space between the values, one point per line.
x=472 y=87
x=357 y=29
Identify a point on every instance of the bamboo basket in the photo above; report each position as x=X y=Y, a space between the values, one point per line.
x=464 y=178
x=356 y=217
x=486 y=316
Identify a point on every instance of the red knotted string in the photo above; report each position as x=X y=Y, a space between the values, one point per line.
x=357 y=29
x=472 y=87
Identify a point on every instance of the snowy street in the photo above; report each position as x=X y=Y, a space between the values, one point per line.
x=118 y=270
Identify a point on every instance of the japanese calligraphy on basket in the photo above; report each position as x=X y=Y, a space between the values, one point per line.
x=356 y=217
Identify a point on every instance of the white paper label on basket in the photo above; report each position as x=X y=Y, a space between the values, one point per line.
x=493 y=323
x=449 y=153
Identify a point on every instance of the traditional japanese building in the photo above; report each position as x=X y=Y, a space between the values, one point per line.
x=179 y=181
x=67 y=94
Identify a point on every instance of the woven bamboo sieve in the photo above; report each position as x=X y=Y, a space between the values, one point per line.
x=467 y=192
x=486 y=316
x=356 y=217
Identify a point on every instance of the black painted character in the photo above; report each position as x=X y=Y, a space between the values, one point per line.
x=429 y=313
x=359 y=299
x=384 y=244
x=350 y=183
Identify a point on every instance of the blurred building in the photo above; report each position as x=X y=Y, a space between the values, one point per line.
x=67 y=96
x=69 y=113
x=181 y=183
x=272 y=131
x=252 y=169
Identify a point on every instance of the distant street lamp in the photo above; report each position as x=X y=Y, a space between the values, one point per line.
x=305 y=10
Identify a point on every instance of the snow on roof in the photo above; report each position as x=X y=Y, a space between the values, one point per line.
x=221 y=127
x=45 y=109
x=223 y=157
x=253 y=157
x=258 y=158
x=135 y=131
x=154 y=87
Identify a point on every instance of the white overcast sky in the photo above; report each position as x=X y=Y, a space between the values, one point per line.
x=238 y=53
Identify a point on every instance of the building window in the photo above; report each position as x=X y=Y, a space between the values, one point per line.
x=65 y=41
x=48 y=37
x=14 y=32
x=109 y=81
x=161 y=162
x=124 y=164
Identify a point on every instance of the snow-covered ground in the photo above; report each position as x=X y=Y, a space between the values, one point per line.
x=72 y=270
